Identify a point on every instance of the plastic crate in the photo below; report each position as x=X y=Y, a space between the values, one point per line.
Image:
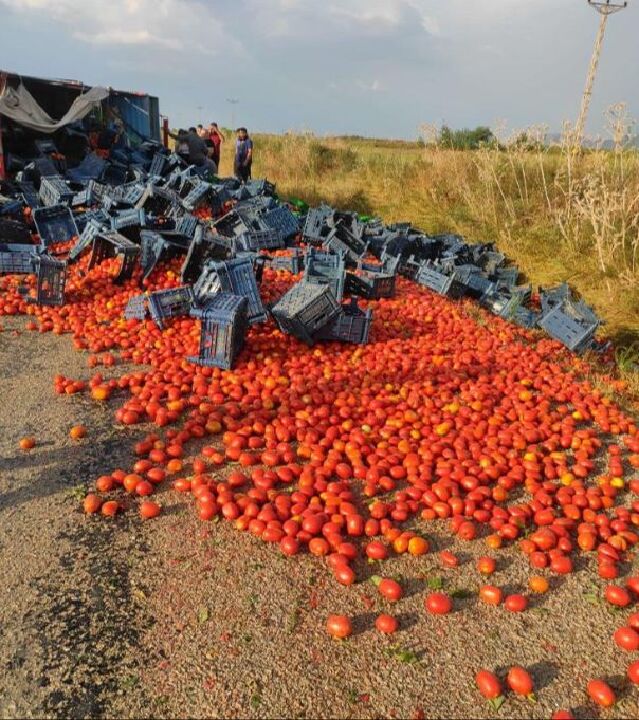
x=260 y=187
x=200 y=251
x=29 y=193
x=159 y=164
x=565 y=323
x=437 y=281
x=170 y=303
x=54 y=224
x=234 y=276
x=223 y=327
x=474 y=281
x=305 y=309
x=92 y=228
x=198 y=196
x=152 y=246
x=282 y=220
x=91 y=168
x=136 y=308
x=352 y=325
x=16 y=259
x=127 y=218
x=293 y=263
x=371 y=285
x=133 y=193
x=316 y=227
x=255 y=240
x=326 y=269
x=506 y=277
x=14 y=231
x=51 y=280
x=525 y=318
x=491 y=261
x=113 y=244
x=553 y=297
x=55 y=191
x=186 y=225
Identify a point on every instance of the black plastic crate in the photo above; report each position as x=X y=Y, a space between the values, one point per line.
x=164 y=304
x=506 y=277
x=55 y=191
x=14 y=231
x=54 y=224
x=223 y=328
x=370 y=285
x=112 y=244
x=260 y=187
x=305 y=309
x=51 y=280
x=352 y=325
x=92 y=228
x=91 y=168
x=200 y=195
x=29 y=193
x=233 y=276
x=293 y=263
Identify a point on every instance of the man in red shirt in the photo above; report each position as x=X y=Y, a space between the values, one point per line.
x=216 y=138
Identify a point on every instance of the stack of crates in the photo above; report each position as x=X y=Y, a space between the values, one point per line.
x=232 y=276
x=224 y=323
x=305 y=309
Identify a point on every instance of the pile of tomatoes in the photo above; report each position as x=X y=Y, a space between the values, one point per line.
x=331 y=449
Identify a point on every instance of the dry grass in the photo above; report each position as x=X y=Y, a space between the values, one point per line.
x=558 y=215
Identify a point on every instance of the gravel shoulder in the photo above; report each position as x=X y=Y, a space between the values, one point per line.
x=174 y=618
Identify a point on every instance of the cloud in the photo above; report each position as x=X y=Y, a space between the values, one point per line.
x=178 y=25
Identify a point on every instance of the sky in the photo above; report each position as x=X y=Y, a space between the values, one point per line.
x=369 y=67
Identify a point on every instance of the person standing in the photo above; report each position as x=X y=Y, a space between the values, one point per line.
x=243 y=155
x=216 y=139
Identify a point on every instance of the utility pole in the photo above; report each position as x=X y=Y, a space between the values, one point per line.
x=605 y=8
x=232 y=102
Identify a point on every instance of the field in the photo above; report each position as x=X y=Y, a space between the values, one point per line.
x=182 y=616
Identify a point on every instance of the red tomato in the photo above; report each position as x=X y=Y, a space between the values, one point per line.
x=601 y=693
x=376 y=550
x=448 y=559
x=633 y=672
x=519 y=681
x=438 y=603
x=626 y=638
x=488 y=684
x=386 y=624
x=490 y=594
x=617 y=596
x=390 y=589
x=516 y=603
x=486 y=565
x=339 y=626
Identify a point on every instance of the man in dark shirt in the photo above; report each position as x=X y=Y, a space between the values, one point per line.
x=243 y=155
x=198 y=152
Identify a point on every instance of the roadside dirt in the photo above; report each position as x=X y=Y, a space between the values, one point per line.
x=175 y=618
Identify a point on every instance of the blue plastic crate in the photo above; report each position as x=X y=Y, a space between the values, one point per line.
x=293 y=262
x=326 y=269
x=29 y=193
x=91 y=168
x=198 y=196
x=352 y=325
x=55 y=191
x=233 y=276
x=16 y=259
x=437 y=281
x=282 y=220
x=136 y=308
x=54 y=224
x=223 y=328
x=152 y=247
x=164 y=304
x=127 y=218
x=159 y=164
x=565 y=323
x=305 y=309
x=316 y=227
